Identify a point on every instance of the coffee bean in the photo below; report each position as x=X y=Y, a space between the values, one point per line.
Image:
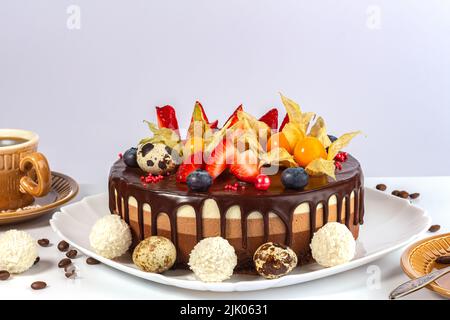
x=381 y=187
x=43 y=242
x=434 y=228
x=71 y=274
x=38 y=285
x=64 y=262
x=63 y=246
x=69 y=268
x=37 y=260
x=404 y=194
x=443 y=259
x=71 y=253
x=4 y=275
x=414 y=195
x=396 y=193
x=91 y=260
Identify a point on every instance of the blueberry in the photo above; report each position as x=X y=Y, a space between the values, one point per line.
x=199 y=180
x=332 y=138
x=130 y=158
x=294 y=178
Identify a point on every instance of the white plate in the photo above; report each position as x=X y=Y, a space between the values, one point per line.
x=390 y=223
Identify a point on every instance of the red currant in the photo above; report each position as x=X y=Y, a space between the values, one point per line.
x=262 y=182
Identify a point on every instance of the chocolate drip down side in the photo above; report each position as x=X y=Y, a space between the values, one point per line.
x=167 y=196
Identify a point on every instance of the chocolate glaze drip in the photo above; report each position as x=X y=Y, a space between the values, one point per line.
x=167 y=196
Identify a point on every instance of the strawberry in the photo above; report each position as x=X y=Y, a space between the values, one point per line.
x=212 y=125
x=216 y=162
x=271 y=118
x=285 y=121
x=190 y=164
x=245 y=166
x=234 y=117
x=167 y=117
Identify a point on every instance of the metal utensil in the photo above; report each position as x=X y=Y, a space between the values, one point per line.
x=417 y=284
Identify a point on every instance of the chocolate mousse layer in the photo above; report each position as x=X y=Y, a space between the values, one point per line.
x=246 y=218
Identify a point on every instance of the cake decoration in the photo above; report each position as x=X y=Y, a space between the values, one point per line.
x=155 y=254
x=213 y=259
x=130 y=157
x=110 y=236
x=262 y=182
x=333 y=244
x=199 y=180
x=274 y=260
x=294 y=178
x=157 y=158
x=18 y=251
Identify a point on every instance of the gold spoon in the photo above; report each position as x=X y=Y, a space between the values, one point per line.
x=416 y=284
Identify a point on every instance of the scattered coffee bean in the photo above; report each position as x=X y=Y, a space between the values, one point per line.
x=69 y=268
x=71 y=274
x=91 y=260
x=414 y=195
x=434 y=228
x=381 y=187
x=4 y=275
x=404 y=194
x=64 y=262
x=63 y=246
x=43 y=242
x=37 y=260
x=38 y=285
x=71 y=253
x=396 y=193
x=443 y=259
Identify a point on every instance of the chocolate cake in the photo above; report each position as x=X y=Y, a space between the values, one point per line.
x=247 y=218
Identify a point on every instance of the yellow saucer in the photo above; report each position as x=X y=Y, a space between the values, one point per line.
x=63 y=190
x=419 y=259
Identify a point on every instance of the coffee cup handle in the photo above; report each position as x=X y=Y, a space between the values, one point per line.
x=39 y=163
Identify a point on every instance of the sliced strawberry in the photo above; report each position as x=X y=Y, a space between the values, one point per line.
x=245 y=166
x=217 y=161
x=285 y=121
x=234 y=117
x=212 y=125
x=167 y=117
x=271 y=118
x=190 y=164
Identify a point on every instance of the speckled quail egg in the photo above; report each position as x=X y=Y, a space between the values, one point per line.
x=274 y=260
x=157 y=158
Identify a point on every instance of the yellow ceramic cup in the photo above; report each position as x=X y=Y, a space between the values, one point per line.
x=24 y=172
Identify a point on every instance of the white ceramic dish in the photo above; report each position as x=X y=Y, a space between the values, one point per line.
x=390 y=223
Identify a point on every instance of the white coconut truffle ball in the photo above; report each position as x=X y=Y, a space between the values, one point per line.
x=155 y=254
x=333 y=244
x=110 y=236
x=18 y=251
x=213 y=259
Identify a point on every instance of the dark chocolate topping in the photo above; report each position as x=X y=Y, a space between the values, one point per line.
x=168 y=195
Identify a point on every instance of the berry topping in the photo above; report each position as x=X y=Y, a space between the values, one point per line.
x=309 y=149
x=341 y=157
x=190 y=164
x=216 y=162
x=245 y=166
x=338 y=165
x=294 y=178
x=234 y=117
x=130 y=158
x=199 y=180
x=332 y=138
x=278 y=140
x=285 y=121
x=167 y=117
x=262 y=182
x=271 y=118
x=212 y=125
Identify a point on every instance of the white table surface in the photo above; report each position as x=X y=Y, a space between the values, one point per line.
x=102 y=282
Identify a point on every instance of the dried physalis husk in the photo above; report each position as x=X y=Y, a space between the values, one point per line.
x=296 y=115
x=251 y=123
x=340 y=144
x=293 y=134
x=319 y=130
x=249 y=140
x=277 y=157
x=321 y=166
x=163 y=135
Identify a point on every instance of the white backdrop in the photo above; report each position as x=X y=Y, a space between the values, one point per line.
x=379 y=66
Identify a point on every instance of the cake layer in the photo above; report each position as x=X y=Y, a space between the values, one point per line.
x=246 y=218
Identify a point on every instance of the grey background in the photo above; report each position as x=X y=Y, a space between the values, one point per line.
x=87 y=91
